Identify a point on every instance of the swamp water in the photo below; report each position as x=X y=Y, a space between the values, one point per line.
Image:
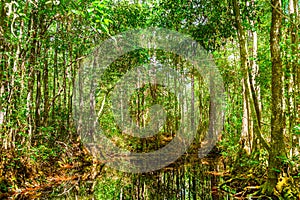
x=184 y=179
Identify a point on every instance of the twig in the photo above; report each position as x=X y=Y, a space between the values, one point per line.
x=67 y=191
x=54 y=98
x=283 y=15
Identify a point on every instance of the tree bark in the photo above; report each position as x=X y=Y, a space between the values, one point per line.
x=246 y=139
x=277 y=120
x=245 y=69
x=294 y=78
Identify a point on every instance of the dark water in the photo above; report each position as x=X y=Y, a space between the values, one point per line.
x=197 y=179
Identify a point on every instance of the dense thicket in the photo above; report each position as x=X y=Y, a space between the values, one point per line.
x=255 y=45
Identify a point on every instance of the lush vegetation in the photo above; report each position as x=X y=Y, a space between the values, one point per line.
x=255 y=45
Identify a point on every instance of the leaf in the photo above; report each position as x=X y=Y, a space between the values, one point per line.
x=105 y=28
x=297 y=129
x=90 y=10
x=107 y=21
x=276 y=170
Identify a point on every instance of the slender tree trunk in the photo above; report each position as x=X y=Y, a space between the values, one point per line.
x=277 y=147
x=294 y=81
x=247 y=133
x=255 y=87
x=37 y=102
x=2 y=66
x=46 y=90
x=245 y=68
x=31 y=75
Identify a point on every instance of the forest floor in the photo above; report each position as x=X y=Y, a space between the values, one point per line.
x=26 y=178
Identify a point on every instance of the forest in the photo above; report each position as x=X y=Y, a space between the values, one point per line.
x=149 y=99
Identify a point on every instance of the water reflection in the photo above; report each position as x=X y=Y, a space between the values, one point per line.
x=197 y=179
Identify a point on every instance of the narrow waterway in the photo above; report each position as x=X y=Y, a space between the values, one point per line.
x=188 y=178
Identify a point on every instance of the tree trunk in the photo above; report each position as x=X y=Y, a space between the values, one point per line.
x=277 y=120
x=294 y=81
x=249 y=94
x=247 y=133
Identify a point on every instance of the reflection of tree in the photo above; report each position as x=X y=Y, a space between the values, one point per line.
x=180 y=180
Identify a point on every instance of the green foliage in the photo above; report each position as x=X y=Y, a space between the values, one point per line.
x=109 y=187
x=296 y=130
x=42 y=44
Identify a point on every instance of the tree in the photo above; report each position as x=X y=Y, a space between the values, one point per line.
x=277 y=146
